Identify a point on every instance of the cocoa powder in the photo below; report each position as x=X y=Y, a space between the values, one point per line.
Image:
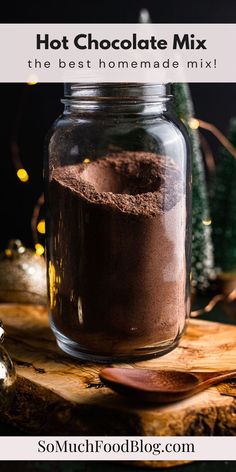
x=119 y=245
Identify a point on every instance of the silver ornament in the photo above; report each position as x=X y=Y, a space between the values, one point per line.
x=7 y=375
x=22 y=275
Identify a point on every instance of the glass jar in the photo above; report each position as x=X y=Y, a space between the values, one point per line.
x=118 y=223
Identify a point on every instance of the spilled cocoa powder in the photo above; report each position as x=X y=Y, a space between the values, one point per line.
x=119 y=253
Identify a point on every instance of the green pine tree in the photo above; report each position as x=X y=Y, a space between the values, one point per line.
x=223 y=202
x=202 y=251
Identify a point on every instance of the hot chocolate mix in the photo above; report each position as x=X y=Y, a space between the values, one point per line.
x=119 y=274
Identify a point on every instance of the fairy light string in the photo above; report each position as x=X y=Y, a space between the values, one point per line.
x=195 y=123
x=21 y=172
x=23 y=175
x=230 y=297
x=38 y=226
x=207 y=152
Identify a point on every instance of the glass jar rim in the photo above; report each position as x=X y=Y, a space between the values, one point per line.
x=118 y=91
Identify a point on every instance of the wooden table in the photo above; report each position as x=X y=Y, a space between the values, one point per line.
x=59 y=395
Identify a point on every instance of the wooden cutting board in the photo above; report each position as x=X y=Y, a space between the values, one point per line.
x=58 y=395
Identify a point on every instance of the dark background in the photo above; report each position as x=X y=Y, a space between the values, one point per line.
x=27 y=112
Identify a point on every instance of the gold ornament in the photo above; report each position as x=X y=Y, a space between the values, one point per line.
x=22 y=275
x=7 y=375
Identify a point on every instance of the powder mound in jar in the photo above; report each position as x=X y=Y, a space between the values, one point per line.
x=138 y=183
x=119 y=243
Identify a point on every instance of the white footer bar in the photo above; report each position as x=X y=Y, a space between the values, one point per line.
x=120 y=448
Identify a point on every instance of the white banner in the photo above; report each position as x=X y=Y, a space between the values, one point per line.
x=103 y=448
x=117 y=52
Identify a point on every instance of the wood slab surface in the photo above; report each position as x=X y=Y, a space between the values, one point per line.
x=58 y=395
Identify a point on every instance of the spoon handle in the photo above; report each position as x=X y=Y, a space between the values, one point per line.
x=211 y=378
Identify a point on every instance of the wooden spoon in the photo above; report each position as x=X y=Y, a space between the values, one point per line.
x=160 y=386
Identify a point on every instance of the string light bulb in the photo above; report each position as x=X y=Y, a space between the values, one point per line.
x=206 y=222
x=32 y=80
x=41 y=226
x=194 y=123
x=39 y=249
x=22 y=175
